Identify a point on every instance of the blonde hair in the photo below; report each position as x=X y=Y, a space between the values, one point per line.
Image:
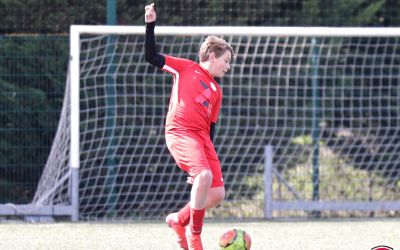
x=213 y=44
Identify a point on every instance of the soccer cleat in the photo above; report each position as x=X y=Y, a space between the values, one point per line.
x=172 y=220
x=194 y=241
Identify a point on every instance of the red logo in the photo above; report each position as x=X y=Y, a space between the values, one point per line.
x=382 y=248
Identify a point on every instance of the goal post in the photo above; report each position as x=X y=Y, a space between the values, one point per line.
x=74 y=152
x=309 y=122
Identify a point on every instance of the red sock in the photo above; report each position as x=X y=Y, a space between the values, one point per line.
x=184 y=215
x=196 y=220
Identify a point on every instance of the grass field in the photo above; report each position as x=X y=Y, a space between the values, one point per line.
x=277 y=235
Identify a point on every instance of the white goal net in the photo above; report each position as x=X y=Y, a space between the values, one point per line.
x=323 y=102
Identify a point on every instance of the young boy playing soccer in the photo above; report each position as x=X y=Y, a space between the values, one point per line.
x=193 y=112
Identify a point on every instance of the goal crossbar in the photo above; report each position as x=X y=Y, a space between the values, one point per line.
x=241 y=31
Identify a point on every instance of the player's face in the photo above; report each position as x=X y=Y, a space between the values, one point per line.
x=221 y=65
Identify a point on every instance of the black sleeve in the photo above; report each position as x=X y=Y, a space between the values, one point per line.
x=212 y=131
x=152 y=56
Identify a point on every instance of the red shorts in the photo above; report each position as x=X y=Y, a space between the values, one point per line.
x=194 y=152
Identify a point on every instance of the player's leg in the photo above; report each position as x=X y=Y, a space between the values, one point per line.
x=215 y=194
x=188 y=151
x=200 y=189
x=214 y=197
x=198 y=201
x=179 y=220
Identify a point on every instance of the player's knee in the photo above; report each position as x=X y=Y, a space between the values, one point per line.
x=204 y=178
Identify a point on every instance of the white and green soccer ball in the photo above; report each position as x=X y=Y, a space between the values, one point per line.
x=235 y=239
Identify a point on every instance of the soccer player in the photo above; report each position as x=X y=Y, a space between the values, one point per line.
x=190 y=126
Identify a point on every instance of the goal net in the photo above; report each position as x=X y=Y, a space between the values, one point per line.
x=310 y=122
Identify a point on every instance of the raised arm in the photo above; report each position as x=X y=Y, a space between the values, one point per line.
x=152 y=56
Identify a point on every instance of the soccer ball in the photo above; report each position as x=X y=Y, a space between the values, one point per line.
x=235 y=239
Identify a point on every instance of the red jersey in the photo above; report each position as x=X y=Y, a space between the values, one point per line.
x=196 y=97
